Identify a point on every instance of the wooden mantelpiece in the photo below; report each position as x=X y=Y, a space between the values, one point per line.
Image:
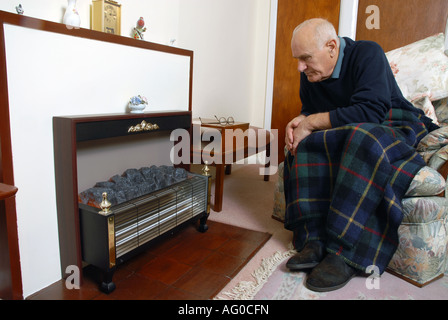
x=67 y=131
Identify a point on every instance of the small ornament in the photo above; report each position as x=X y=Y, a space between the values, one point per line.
x=71 y=16
x=19 y=9
x=137 y=104
x=139 y=29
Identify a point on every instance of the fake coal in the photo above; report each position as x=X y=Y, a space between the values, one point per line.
x=133 y=183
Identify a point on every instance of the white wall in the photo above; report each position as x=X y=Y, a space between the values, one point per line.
x=230 y=42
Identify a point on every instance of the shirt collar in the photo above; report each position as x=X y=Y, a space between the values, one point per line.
x=337 y=68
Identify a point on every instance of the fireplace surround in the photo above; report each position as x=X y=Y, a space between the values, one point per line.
x=79 y=225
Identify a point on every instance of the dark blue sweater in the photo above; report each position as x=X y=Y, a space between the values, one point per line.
x=365 y=90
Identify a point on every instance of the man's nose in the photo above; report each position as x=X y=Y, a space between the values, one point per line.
x=301 y=66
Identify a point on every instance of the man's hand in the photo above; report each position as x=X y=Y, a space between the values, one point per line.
x=289 y=136
x=302 y=126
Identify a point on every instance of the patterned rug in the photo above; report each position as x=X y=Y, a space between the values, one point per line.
x=273 y=281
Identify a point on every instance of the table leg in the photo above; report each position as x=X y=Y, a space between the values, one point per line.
x=219 y=187
x=268 y=155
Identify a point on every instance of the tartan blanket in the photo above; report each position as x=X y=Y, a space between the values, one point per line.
x=345 y=186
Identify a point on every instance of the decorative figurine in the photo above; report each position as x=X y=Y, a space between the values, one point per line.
x=137 y=104
x=19 y=9
x=71 y=16
x=139 y=29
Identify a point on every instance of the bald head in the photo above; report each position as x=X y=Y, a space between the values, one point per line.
x=316 y=46
x=320 y=31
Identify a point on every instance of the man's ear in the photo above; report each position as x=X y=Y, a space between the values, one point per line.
x=332 y=47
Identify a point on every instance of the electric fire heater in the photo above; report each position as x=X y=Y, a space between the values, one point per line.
x=111 y=234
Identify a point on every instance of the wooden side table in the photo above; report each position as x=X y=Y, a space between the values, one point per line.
x=231 y=152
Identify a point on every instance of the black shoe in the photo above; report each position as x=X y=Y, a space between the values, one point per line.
x=309 y=257
x=331 y=274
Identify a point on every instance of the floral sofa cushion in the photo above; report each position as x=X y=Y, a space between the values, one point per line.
x=441 y=109
x=434 y=140
x=439 y=158
x=427 y=182
x=420 y=69
x=433 y=147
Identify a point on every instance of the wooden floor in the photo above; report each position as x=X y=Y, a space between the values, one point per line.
x=187 y=266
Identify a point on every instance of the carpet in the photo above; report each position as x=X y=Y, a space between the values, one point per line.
x=248 y=202
x=273 y=281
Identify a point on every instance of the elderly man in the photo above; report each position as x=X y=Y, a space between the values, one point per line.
x=351 y=157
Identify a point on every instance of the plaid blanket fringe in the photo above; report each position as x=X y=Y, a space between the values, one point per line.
x=345 y=186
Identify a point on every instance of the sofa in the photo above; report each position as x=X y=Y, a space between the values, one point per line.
x=421 y=71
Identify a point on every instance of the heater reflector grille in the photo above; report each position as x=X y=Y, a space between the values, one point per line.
x=141 y=220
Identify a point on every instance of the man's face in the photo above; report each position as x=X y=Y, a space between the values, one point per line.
x=317 y=63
